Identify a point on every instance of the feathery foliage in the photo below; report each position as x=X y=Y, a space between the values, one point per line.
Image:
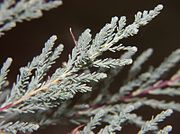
x=35 y=93
x=13 y=11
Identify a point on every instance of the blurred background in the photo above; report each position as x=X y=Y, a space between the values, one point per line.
x=27 y=39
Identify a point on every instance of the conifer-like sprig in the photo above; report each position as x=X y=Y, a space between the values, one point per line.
x=35 y=91
x=13 y=11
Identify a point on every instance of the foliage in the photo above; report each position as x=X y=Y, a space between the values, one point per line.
x=35 y=93
x=13 y=11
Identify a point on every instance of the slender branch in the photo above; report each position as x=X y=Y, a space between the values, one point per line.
x=73 y=37
x=158 y=85
x=30 y=94
x=6 y=107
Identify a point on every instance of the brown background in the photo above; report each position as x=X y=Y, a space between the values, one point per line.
x=26 y=40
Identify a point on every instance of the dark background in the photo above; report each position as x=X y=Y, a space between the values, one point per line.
x=27 y=39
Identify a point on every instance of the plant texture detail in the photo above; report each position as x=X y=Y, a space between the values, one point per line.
x=80 y=89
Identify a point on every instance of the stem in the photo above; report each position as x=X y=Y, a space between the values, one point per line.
x=6 y=107
x=30 y=94
x=158 y=85
x=73 y=37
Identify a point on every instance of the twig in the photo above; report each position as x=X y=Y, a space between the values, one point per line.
x=159 y=84
x=73 y=37
x=30 y=94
